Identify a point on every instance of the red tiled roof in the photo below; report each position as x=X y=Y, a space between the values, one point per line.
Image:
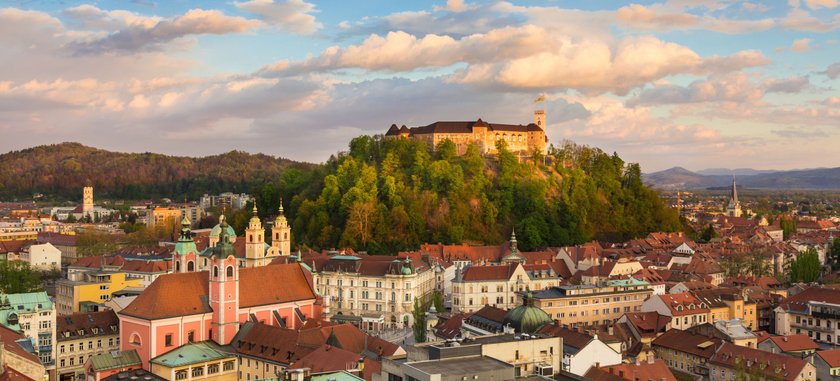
x=755 y=360
x=12 y=375
x=570 y=337
x=648 y=324
x=184 y=294
x=9 y=339
x=486 y=273
x=799 y=302
x=450 y=328
x=689 y=304
x=13 y=246
x=793 y=343
x=688 y=342
x=85 y=322
x=831 y=357
x=328 y=359
x=58 y=239
x=656 y=370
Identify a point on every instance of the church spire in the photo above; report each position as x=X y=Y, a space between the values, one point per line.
x=734 y=194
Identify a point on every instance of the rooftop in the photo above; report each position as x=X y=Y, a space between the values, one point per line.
x=460 y=365
x=192 y=353
x=114 y=360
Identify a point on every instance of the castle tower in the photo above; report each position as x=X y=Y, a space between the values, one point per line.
x=87 y=199
x=733 y=209
x=254 y=241
x=185 y=255
x=281 y=233
x=539 y=118
x=224 y=290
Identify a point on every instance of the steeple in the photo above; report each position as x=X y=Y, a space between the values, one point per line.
x=734 y=195
x=515 y=255
x=224 y=289
x=184 y=257
x=281 y=233
x=733 y=209
x=255 y=241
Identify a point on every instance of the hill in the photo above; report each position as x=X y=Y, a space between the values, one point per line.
x=680 y=178
x=386 y=195
x=61 y=170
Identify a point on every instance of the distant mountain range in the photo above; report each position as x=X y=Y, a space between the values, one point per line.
x=681 y=178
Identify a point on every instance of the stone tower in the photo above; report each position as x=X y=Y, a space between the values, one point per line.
x=87 y=199
x=254 y=241
x=224 y=290
x=539 y=118
x=281 y=233
x=733 y=209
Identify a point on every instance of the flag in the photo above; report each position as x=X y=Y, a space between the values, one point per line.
x=541 y=98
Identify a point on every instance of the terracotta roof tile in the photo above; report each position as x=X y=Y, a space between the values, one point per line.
x=85 y=322
x=793 y=343
x=656 y=370
x=771 y=364
x=328 y=359
x=488 y=273
x=688 y=342
x=831 y=357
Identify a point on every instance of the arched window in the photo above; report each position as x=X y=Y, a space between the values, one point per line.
x=250 y=238
x=190 y=266
x=215 y=271
x=135 y=339
x=229 y=271
x=178 y=266
x=277 y=236
x=285 y=235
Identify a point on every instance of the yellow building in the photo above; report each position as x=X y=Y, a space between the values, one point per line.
x=162 y=215
x=90 y=287
x=593 y=305
x=196 y=361
x=728 y=304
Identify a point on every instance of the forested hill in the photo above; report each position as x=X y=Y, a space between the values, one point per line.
x=386 y=195
x=61 y=170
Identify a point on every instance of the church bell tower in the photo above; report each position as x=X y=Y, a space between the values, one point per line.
x=255 y=241
x=281 y=233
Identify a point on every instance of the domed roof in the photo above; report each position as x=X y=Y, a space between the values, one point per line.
x=216 y=230
x=527 y=318
x=224 y=248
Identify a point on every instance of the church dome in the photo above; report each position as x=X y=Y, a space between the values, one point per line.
x=224 y=248
x=527 y=318
x=217 y=230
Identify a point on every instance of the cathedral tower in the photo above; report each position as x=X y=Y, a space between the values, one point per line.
x=185 y=256
x=733 y=209
x=87 y=199
x=281 y=233
x=254 y=241
x=224 y=290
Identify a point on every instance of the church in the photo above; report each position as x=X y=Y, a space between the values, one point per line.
x=248 y=251
x=210 y=302
x=520 y=139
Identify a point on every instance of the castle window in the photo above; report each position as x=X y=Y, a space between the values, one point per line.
x=190 y=266
x=229 y=271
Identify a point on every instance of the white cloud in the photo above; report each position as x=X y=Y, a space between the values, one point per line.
x=290 y=15
x=801 y=45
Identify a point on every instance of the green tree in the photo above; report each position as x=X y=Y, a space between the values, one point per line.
x=437 y=300
x=708 y=234
x=834 y=253
x=95 y=243
x=419 y=327
x=17 y=277
x=788 y=227
x=806 y=268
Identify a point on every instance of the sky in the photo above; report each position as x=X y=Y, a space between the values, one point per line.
x=691 y=83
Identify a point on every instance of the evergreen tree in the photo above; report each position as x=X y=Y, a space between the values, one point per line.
x=419 y=327
x=806 y=268
x=17 y=277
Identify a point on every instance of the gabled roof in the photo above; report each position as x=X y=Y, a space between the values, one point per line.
x=831 y=357
x=755 y=360
x=82 y=324
x=643 y=371
x=683 y=303
x=799 y=302
x=328 y=359
x=688 y=342
x=648 y=324
x=10 y=339
x=573 y=341
x=793 y=343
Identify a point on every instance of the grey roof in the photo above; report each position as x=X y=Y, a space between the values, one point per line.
x=459 y=365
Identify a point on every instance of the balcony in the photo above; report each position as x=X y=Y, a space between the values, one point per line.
x=812 y=327
x=826 y=315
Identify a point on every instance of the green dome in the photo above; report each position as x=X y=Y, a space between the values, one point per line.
x=406 y=268
x=224 y=248
x=216 y=230
x=527 y=318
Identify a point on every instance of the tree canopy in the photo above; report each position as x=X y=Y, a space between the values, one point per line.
x=806 y=268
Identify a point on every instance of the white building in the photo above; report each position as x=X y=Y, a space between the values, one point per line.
x=42 y=257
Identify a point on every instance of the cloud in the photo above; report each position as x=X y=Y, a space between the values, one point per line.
x=148 y=35
x=801 y=45
x=832 y=71
x=289 y=15
x=800 y=19
x=816 y=4
x=664 y=18
x=790 y=85
x=800 y=133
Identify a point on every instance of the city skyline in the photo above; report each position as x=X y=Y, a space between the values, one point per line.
x=677 y=83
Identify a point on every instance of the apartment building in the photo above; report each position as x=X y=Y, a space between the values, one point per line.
x=33 y=315
x=814 y=312
x=80 y=336
x=497 y=286
x=371 y=292
x=593 y=305
x=684 y=309
x=83 y=291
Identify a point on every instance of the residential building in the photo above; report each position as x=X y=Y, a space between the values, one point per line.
x=529 y=354
x=456 y=368
x=686 y=352
x=32 y=314
x=17 y=362
x=684 y=309
x=827 y=364
x=196 y=361
x=645 y=326
x=226 y=200
x=43 y=257
x=80 y=336
x=814 y=312
x=800 y=346
x=372 y=292
x=66 y=243
x=581 y=351
x=163 y=215
x=593 y=305
x=84 y=291
x=185 y=307
x=727 y=304
x=731 y=359
x=733 y=331
x=525 y=139
x=498 y=285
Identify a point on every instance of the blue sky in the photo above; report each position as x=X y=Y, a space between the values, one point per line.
x=698 y=84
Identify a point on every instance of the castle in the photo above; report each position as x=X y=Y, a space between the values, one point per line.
x=522 y=139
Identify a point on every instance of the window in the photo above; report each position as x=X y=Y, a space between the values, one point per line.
x=229 y=271
x=197 y=372
x=229 y=365
x=168 y=340
x=213 y=368
x=61 y=349
x=215 y=271
x=181 y=375
x=90 y=345
x=72 y=348
x=111 y=342
x=99 y=343
x=191 y=336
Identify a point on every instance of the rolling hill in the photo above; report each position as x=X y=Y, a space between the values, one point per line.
x=681 y=178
